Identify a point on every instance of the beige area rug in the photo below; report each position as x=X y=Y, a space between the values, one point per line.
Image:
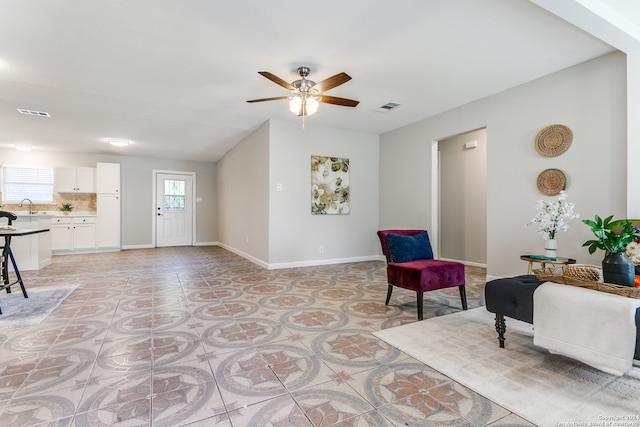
x=546 y=389
x=20 y=312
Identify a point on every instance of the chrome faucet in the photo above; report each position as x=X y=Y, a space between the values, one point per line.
x=30 y=205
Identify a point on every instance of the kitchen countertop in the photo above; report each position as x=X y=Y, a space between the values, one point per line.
x=53 y=214
x=22 y=214
x=79 y=213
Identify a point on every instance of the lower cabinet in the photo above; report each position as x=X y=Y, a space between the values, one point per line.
x=73 y=233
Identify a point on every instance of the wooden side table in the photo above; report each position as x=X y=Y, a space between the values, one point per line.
x=544 y=261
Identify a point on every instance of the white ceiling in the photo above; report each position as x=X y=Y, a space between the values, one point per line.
x=173 y=75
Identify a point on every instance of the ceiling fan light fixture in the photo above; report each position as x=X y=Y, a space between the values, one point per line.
x=310 y=104
x=295 y=105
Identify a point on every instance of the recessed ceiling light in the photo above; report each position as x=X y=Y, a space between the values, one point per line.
x=23 y=147
x=119 y=142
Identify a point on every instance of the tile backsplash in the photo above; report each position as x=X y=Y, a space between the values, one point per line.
x=80 y=201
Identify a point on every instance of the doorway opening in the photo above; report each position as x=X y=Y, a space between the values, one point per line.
x=459 y=197
x=174 y=214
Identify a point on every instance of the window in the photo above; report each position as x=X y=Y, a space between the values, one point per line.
x=34 y=183
x=174 y=194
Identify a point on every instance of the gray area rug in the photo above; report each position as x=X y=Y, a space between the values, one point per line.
x=545 y=389
x=19 y=312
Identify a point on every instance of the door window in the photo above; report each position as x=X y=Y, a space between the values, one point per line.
x=175 y=192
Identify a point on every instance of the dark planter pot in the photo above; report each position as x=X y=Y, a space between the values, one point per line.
x=618 y=269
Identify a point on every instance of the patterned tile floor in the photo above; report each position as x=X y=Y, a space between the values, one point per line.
x=202 y=337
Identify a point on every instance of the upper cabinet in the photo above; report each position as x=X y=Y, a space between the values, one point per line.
x=74 y=180
x=108 y=177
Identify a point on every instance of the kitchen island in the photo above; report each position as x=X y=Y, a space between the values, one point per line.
x=32 y=252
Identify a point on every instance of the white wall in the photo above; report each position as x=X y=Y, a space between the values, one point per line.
x=137 y=197
x=296 y=234
x=137 y=189
x=633 y=133
x=281 y=230
x=588 y=98
x=243 y=197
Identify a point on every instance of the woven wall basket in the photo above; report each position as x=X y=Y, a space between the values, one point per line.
x=553 y=140
x=552 y=181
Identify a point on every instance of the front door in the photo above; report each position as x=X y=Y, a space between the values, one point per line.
x=174 y=209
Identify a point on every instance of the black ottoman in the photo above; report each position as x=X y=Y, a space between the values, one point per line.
x=513 y=297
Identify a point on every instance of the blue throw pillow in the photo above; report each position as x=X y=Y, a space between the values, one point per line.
x=408 y=248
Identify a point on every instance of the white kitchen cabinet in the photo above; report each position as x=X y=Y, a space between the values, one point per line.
x=108 y=178
x=61 y=234
x=74 y=180
x=73 y=233
x=108 y=205
x=108 y=220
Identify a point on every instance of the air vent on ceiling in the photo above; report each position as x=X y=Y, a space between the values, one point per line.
x=387 y=107
x=33 y=112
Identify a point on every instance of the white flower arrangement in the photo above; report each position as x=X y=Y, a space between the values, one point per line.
x=552 y=215
x=633 y=252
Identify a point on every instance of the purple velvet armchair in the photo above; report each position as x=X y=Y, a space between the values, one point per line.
x=410 y=265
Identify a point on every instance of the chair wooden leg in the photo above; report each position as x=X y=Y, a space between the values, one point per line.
x=463 y=297
x=389 y=290
x=501 y=328
x=420 y=300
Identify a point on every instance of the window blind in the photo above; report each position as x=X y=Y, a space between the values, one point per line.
x=34 y=183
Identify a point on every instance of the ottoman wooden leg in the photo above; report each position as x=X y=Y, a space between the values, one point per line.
x=501 y=328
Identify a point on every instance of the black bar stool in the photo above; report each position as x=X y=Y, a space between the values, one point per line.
x=7 y=256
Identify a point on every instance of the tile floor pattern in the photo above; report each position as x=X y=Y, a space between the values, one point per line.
x=202 y=337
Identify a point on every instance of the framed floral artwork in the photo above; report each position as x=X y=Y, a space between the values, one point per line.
x=329 y=185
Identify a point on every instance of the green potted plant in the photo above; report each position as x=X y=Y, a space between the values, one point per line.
x=66 y=208
x=613 y=238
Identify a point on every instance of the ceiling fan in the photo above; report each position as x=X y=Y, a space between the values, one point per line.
x=308 y=94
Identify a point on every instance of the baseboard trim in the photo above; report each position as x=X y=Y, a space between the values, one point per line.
x=313 y=263
x=148 y=246
x=469 y=263
x=244 y=255
x=83 y=251
x=295 y=264
x=151 y=246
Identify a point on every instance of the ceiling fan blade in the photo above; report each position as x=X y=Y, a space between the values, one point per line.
x=331 y=82
x=337 y=101
x=276 y=80
x=269 y=99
